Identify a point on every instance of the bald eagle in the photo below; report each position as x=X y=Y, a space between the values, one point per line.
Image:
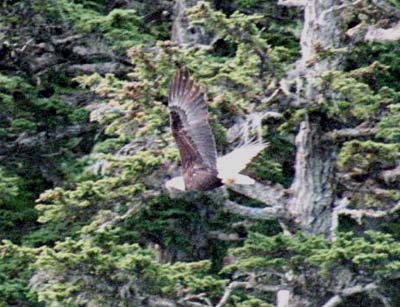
x=201 y=169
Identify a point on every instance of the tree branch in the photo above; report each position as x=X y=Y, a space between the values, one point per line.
x=387 y=8
x=390 y=176
x=271 y=114
x=101 y=68
x=381 y=35
x=118 y=218
x=230 y=288
x=222 y=236
x=138 y=204
x=269 y=194
x=292 y=3
x=341 y=204
x=66 y=40
x=338 y=298
x=349 y=133
x=358 y=214
x=267 y=100
x=161 y=302
x=252 y=122
x=357 y=33
x=187 y=300
x=251 y=284
x=267 y=213
x=244 y=224
x=26 y=142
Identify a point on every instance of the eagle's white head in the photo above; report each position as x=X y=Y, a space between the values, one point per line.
x=176 y=183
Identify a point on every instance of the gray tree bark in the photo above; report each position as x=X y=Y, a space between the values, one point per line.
x=182 y=32
x=313 y=189
x=313 y=186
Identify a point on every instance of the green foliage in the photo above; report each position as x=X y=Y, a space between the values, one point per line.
x=385 y=54
x=253 y=302
x=272 y=164
x=28 y=114
x=97 y=271
x=57 y=204
x=115 y=183
x=16 y=206
x=354 y=99
x=246 y=3
x=375 y=255
x=366 y=159
x=365 y=155
x=231 y=27
x=175 y=224
x=9 y=188
x=14 y=275
x=244 y=31
x=121 y=28
x=389 y=126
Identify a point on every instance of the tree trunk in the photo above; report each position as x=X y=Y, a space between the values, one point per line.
x=313 y=189
x=182 y=32
x=313 y=186
x=323 y=31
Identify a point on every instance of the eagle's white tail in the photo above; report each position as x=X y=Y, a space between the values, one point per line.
x=231 y=164
x=238 y=179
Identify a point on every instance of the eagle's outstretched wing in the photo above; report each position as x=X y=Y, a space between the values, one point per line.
x=189 y=123
x=192 y=133
x=196 y=144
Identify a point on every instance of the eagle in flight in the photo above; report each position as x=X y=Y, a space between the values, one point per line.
x=201 y=169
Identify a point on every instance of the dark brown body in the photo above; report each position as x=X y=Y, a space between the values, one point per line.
x=201 y=179
x=197 y=177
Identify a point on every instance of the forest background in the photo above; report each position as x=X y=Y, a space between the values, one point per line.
x=85 y=150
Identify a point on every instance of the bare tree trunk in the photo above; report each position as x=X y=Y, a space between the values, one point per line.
x=313 y=186
x=182 y=32
x=313 y=189
x=322 y=32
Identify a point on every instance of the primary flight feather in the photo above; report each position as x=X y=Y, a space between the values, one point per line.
x=201 y=169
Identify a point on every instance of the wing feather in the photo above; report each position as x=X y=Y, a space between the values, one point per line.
x=189 y=122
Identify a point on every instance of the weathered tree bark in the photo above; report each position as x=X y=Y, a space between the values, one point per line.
x=182 y=32
x=322 y=32
x=313 y=186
